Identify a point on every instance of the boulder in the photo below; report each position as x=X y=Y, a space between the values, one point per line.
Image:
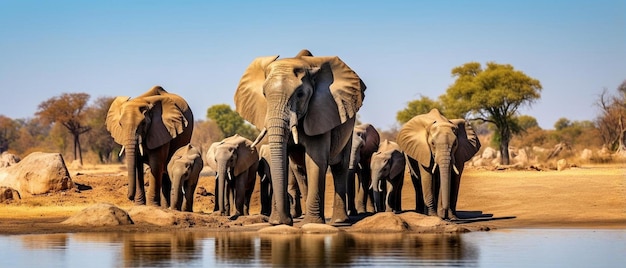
x=8 y=193
x=586 y=154
x=37 y=173
x=561 y=164
x=101 y=214
x=8 y=159
x=489 y=153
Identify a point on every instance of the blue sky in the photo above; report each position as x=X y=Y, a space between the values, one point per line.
x=401 y=49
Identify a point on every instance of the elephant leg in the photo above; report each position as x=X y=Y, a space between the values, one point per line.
x=316 y=176
x=294 y=196
x=166 y=187
x=190 y=188
x=216 y=196
x=157 y=160
x=351 y=193
x=249 y=188
x=266 y=197
x=303 y=188
x=427 y=191
x=362 y=193
x=239 y=194
x=399 y=183
x=340 y=177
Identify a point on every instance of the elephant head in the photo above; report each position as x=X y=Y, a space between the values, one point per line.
x=184 y=170
x=443 y=146
x=231 y=157
x=289 y=97
x=148 y=122
x=388 y=164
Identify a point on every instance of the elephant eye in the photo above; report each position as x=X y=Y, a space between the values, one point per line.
x=300 y=94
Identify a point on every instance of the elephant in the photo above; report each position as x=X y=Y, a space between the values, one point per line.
x=150 y=128
x=388 y=164
x=236 y=161
x=308 y=104
x=436 y=149
x=184 y=171
x=296 y=188
x=365 y=141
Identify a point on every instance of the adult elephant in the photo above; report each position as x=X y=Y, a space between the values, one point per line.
x=365 y=141
x=184 y=171
x=296 y=186
x=311 y=103
x=388 y=165
x=150 y=128
x=437 y=149
x=236 y=161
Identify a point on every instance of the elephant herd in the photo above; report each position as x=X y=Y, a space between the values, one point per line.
x=306 y=106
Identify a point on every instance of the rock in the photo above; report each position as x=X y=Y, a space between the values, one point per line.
x=586 y=154
x=8 y=159
x=489 y=153
x=37 y=173
x=561 y=164
x=318 y=228
x=8 y=193
x=388 y=222
x=101 y=214
x=384 y=222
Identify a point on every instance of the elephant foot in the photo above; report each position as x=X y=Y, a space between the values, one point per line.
x=432 y=212
x=276 y=219
x=313 y=219
x=234 y=217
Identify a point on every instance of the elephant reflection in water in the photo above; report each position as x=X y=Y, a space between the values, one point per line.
x=160 y=249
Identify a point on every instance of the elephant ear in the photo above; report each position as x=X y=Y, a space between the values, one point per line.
x=413 y=139
x=167 y=121
x=250 y=102
x=338 y=95
x=210 y=155
x=246 y=155
x=113 y=119
x=373 y=139
x=467 y=141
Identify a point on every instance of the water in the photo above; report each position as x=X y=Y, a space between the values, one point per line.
x=506 y=248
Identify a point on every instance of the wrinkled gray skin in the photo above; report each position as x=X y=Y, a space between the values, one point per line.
x=436 y=150
x=184 y=170
x=297 y=188
x=365 y=141
x=388 y=165
x=310 y=102
x=150 y=128
x=236 y=162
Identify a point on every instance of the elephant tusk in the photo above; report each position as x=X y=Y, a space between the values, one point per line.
x=230 y=177
x=456 y=170
x=122 y=151
x=263 y=178
x=434 y=167
x=380 y=189
x=293 y=123
x=140 y=150
x=294 y=134
x=371 y=186
x=259 y=138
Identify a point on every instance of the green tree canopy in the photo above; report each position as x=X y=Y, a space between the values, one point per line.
x=9 y=132
x=417 y=107
x=492 y=95
x=67 y=110
x=230 y=122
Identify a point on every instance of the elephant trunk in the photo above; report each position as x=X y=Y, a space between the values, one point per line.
x=445 y=178
x=278 y=130
x=135 y=171
x=377 y=179
x=221 y=187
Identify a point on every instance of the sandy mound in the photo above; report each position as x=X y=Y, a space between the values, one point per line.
x=388 y=222
x=102 y=214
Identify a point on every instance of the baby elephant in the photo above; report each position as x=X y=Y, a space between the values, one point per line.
x=184 y=170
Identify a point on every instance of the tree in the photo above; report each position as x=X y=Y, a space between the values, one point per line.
x=9 y=132
x=98 y=138
x=491 y=95
x=417 y=107
x=229 y=122
x=562 y=123
x=67 y=110
x=612 y=121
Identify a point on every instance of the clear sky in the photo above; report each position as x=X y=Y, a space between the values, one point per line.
x=401 y=49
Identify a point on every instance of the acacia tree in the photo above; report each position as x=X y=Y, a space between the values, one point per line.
x=9 y=132
x=612 y=121
x=491 y=95
x=98 y=138
x=230 y=122
x=67 y=110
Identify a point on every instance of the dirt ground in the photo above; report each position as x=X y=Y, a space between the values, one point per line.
x=589 y=196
